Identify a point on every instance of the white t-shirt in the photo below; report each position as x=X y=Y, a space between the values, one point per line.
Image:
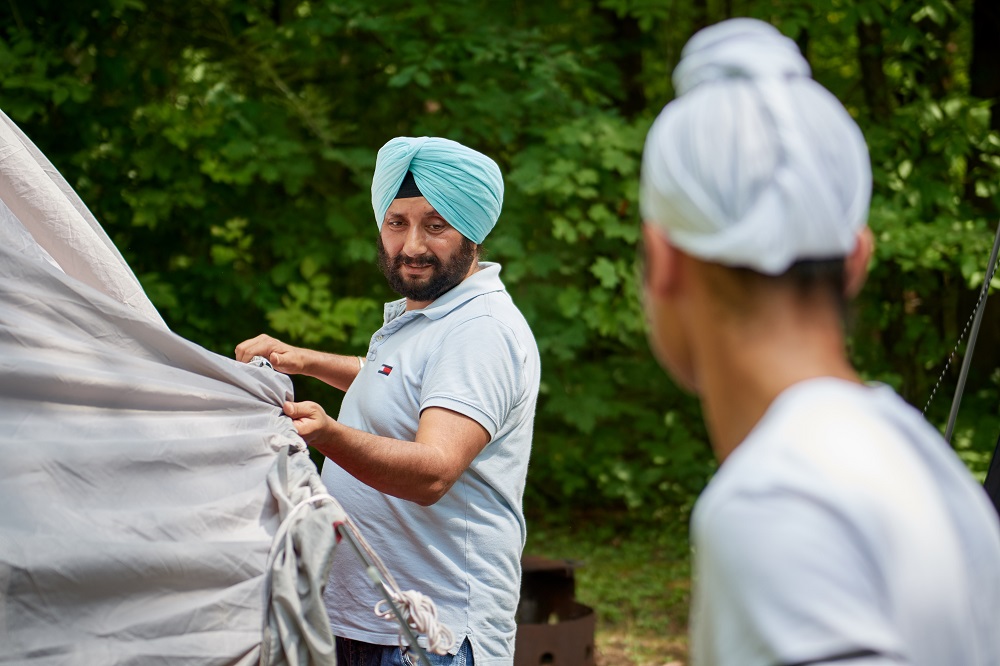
x=844 y=525
x=472 y=352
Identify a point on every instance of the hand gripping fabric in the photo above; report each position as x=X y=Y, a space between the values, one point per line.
x=754 y=164
x=463 y=185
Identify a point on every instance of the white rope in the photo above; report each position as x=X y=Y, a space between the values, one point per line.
x=420 y=613
x=286 y=524
x=418 y=610
x=982 y=294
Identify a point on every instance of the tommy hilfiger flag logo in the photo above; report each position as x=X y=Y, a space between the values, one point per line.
x=385 y=369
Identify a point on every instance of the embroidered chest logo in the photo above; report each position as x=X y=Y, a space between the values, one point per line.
x=385 y=369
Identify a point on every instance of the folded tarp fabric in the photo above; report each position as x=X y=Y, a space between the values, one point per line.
x=62 y=225
x=142 y=478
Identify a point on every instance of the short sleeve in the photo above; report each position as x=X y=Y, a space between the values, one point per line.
x=783 y=579
x=477 y=371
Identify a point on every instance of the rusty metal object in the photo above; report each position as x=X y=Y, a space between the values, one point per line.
x=552 y=627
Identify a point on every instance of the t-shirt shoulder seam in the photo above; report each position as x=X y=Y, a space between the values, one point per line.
x=472 y=318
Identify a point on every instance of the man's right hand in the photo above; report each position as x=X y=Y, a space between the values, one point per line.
x=282 y=357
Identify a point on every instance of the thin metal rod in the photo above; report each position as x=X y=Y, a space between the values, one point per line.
x=380 y=587
x=967 y=361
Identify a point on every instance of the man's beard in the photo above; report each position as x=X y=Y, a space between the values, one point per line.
x=443 y=276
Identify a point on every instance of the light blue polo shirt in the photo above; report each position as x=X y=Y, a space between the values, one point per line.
x=470 y=351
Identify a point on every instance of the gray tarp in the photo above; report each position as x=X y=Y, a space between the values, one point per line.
x=142 y=477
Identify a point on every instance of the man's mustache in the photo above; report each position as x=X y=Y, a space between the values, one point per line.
x=416 y=262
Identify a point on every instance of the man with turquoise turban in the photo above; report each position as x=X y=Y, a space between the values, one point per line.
x=430 y=450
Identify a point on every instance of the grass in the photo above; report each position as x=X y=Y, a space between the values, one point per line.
x=635 y=577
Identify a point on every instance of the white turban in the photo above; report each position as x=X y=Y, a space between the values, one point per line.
x=754 y=164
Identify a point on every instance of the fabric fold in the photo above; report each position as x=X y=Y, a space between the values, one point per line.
x=143 y=478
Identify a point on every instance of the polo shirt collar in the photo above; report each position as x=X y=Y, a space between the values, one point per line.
x=483 y=281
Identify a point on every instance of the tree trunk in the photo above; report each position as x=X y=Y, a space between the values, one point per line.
x=984 y=69
x=802 y=41
x=984 y=83
x=628 y=38
x=699 y=12
x=871 y=56
x=936 y=72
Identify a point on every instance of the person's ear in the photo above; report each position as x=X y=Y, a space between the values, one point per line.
x=856 y=264
x=659 y=262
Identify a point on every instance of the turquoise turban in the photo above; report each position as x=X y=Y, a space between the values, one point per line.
x=463 y=185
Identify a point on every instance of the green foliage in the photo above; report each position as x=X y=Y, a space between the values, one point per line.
x=228 y=146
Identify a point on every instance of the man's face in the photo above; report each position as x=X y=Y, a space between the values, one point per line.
x=420 y=254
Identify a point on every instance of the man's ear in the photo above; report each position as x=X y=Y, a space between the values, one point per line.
x=856 y=264
x=660 y=262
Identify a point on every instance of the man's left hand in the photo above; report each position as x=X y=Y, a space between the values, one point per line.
x=310 y=420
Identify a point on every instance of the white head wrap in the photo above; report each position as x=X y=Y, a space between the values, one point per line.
x=754 y=164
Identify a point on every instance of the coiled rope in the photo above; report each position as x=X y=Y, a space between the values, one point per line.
x=415 y=612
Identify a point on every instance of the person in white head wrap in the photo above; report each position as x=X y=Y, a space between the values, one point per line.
x=755 y=164
x=839 y=527
x=429 y=452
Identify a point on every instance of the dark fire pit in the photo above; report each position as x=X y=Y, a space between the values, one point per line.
x=552 y=627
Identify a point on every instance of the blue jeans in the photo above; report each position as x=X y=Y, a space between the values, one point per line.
x=358 y=653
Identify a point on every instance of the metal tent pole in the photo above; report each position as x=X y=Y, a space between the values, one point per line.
x=379 y=586
x=967 y=360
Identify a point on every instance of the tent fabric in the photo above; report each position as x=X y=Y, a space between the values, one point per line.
x=142 y=478
x=298 y=629
x=57 y=218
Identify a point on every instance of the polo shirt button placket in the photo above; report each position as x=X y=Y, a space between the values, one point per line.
x=373 y=349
